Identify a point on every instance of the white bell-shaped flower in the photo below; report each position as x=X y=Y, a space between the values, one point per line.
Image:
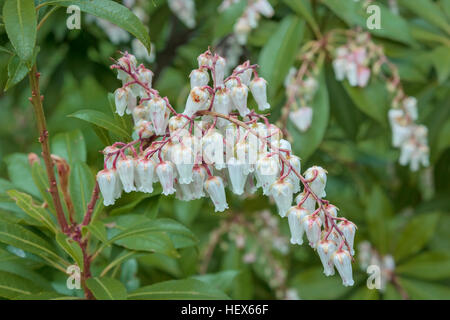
x=199 y=77
x=141 y=112
x=219 y=70
x=205 y=59
x=183 y=158
x=143 y=129
x=258 y=86
x=351 y=70
x=197 y=100
x=264 y=7
x=312 y=226
x=238 y=175
x=144 y=175
x=410 y=105
x=125 y=168
x=339 y=67
x=348 y=229
x=309 y=204
x=198 y=180
x=145 y=75
x=302 y=118
x=183 y=191
x=222 y=104
x=318 y=175
x=213 y=148
x=343 y=263
x=107 y=183
x=295 y=218
x=326 y=249
x=267 y=171
x=178 y=122
x=216 y=191
x=363 y=76
x=109 y=158
x=239 y=96
x=159 y=114
x=244 y=73
x=331 y=210
x=166 y=175
x=281 y=191
x=121 y=98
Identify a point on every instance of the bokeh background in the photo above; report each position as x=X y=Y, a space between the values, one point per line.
x=402 y=216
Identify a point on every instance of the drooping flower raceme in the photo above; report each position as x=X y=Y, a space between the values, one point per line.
x=218 y=141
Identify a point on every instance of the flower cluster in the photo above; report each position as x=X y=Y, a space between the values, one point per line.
x=351 y=62
x=356 y=61
x=300 y=93
x=198 y=152
x=249 y=19
x=368 y=256
x=184 y=10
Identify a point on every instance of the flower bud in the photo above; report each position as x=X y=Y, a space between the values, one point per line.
x=295 y=218
x=258 y=86
x=107 y=183
x=205 y=59
x=238 y=175
x=318 y=177
x=281 y=192
x=219 y=70
x=196 y=101
x=166 y=176
x=125 y=168
x=183 y=158
x=199 y=77
x=302 y=118
x=326 y=249
x=144 y=175
x=309 y=204
x=239 y=96
x=348 y=229
x=343 y=263
x=159 y=114
x=216 y=190
x=312 y=225
x=121 y=100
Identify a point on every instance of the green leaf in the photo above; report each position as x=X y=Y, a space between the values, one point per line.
x=81 y=184
x=372 y=100
x=5 y=50
x=419 y=290
x=71 y=247
x=121 y=258
x=41 y=181
x=19 y=172
x=221 y=280
x=20 y=24
x=101 y=120
x=416 y=235
x=393 y=26
x=12 y=285
x=379 y=209
x=279 y=53
x=70 y=146
x=97 y=229
x=17 y=70
x=441 y=62
x=45 y=296
x=107 y=289
x=28 y=241
x=428 y=266
x=25 y=202
x=188 y=289
x=113 y=12
x=312 y=284
x=303 y=8
x=429 y=11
